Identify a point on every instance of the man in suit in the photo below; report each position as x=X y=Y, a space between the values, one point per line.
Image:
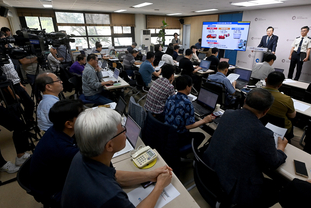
x=242 y=148
x=269 y=41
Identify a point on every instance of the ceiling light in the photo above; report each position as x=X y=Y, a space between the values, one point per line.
x=173 y=14
x=120 y=10
x=142 y=5
x=47 y=5
x=257 y=3
x=206 y=10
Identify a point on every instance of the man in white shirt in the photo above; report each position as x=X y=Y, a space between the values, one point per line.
x=299 y=53
x=262 y=70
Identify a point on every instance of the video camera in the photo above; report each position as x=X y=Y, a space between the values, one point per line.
x=12 y=52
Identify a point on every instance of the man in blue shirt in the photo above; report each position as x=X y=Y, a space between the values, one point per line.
x=179 y=112
x=92 y=181
x=52 y=158
x=50 y=85
x=146 y=69
x=220 y=77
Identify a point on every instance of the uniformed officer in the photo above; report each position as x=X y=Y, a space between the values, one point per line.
x=299 y=53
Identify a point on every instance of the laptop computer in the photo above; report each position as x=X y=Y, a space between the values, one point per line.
x=279 y=70
x=179 y=57
x=206 y=103
x=205 y=64
x=244 y=77
x=224 y=59
x=115 y=77
x=132 y=133
x=121 y=105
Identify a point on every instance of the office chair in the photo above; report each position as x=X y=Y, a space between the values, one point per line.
x=23 y=179
x=206 y=179
x=76 y=82
x=121 y=56
x=140 y=85
x=137 y=112
x=219 y=89
x=164 y=138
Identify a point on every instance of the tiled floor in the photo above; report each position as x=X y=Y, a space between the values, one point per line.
x=12 y=195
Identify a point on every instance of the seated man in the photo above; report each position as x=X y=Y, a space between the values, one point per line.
x=241 y=148
x=92 y=84
x=50 y=86
x=176 y=49
x=187 y=68
x=179 y=112
x=54 y=61
x=130 y=48
x=261 y=70
x=214 y=60
x=129 y=62
x=159 y=91
x=198 y=44
x=51 y=160
x=78 y=66
x=98 y=47
x=92 y=181
x=283 y=105
x=220 y=77
x=11 y=122
x=146 y=69
x=158 y=54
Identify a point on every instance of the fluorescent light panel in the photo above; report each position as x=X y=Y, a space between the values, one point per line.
x=142 y=4
x=120 y=10
x=174 y=14
x=47 y=5
x=206 y=10
x=256 y=3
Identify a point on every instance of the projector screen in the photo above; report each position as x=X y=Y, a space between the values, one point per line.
x=225 y=35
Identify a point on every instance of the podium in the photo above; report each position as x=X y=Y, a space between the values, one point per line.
x=257 y=53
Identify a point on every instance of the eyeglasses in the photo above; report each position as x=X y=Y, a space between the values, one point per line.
x=119 y=133
x=58 y=80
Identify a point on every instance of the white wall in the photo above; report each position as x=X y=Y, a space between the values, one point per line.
x=287 y=23
x=14 y=21
x=140 y=24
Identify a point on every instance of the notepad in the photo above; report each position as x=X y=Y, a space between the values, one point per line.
x=278 y=132
x=300 y=106
x=232 y=77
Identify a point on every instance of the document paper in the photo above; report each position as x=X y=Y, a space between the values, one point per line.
x=300 y=106
x=278 y=132
x=139 y=194
x=232 y=77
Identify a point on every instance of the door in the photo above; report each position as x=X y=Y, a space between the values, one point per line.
x=186 y=36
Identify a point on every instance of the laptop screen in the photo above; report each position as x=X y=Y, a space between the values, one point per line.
x=244 y=74
x=120 y=106
x=132 y=130
x=224 y=59
x=205 y=64
x=208 y=98
x=116 y=73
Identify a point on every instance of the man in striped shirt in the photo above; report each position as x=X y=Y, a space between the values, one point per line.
x=159 y=91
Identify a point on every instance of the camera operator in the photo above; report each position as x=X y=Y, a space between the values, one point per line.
x=11 y=122
x=54 y=62
x=63 y=52
x=20 y=90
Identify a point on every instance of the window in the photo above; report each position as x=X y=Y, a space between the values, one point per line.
x=105 y=41
x=82 y=41
x=69 y=17
x=98 y=30
x=172 y=31
x=97 y=19
x=122 y=41
x=75 y=30
x=121 y=30
x=40 y=23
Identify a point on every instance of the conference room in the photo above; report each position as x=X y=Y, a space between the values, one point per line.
x=117 y=24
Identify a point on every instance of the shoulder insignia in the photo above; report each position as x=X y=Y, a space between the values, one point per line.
x=297 y=37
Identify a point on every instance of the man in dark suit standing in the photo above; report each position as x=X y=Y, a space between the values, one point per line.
x=269 y=41
x=242 y=148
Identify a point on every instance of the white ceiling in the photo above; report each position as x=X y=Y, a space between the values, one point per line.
x=159 y=7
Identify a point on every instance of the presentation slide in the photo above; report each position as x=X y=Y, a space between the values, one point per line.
x=225 y=35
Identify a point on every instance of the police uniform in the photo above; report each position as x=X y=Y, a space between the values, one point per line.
x=298 y=55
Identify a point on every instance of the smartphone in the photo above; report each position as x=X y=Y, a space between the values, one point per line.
x=300 y=169
x=146 y=184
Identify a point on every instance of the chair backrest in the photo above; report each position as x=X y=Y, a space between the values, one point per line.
x=65 y=75
x=280 y=122
x=206 y=178
x=164 y=139
x=139 y=79
x=23 y=176
x=137 y=112
x=217 y=88
x=121 y=56
x=76 y=81
x=307 y=97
